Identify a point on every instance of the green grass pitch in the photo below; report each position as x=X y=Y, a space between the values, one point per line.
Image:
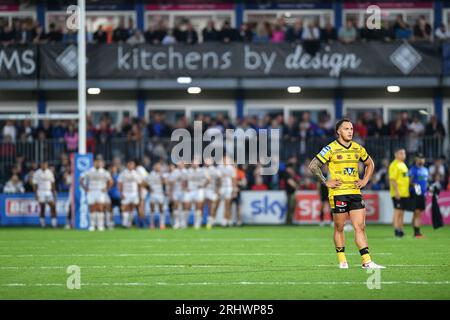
x=265 y=262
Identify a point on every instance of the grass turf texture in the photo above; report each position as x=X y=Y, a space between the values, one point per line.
x=240 y=263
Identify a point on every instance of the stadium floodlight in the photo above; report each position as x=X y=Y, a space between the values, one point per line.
x=423 y=112
x=294 y=89
x=393 y=89
x=194 y=90
x=94 y=90
x=184 y=80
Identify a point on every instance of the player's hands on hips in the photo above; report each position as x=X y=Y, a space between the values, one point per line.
x=333 y=183
x=361 y=183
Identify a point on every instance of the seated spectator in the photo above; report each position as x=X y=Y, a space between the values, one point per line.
x=246 y=33
x=328 y=34
x=209 y=33
x=120 y=34
x=263 y=33
x=422 y=29
x=227 y=33
x=100 y=36
x=23 y=33
x=14 y=185
x=26 y=131
x=277 y=34
x=294 y=34
x=401 y=28
x=347 y=33
x=54 y=34
x=136 y=38
x=442 y=33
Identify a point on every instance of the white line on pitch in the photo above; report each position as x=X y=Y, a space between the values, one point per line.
x=240 y=283
x=172 y=254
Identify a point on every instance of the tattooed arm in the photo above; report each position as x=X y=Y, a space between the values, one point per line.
x=316 y=168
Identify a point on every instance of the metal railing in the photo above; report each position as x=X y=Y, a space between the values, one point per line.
x=160 y=149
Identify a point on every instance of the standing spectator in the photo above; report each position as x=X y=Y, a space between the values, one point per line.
x=328 y=34
x=227 y=33
x=54 y=34
x=191 y=34
x=120 y=34
x=277 y=34
x=10 y=130
x=246 y=33
x=380 y=129
x=7 y=36
x=401 y=28
x=435 y=128
x=71 y=139
x=361 y=129
x=136 y=38
x=39 y=35
x=263 y=33
x=438 y=167
x=294 y=34
x=311 y=38
x=292 y=183
x=209 y=33
x=442 y=33
x=347 y=33
x=100 y=35
x=415 y=131
x=422 y=29
x=160 y=32
x=26 y=131
x=14 y=185
x=169 y=38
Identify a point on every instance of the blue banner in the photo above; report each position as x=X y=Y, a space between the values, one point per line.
x=80 y=164
x=23 y=209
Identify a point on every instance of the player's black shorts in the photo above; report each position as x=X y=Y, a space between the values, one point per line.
x=402 y=203
x=346 y=203
x=237 y=198
x=419 y=202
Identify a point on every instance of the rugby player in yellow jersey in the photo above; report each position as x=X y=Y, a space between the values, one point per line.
x=342 y=157
x=399 y=189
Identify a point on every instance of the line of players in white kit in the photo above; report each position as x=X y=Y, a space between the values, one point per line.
x=178 y=187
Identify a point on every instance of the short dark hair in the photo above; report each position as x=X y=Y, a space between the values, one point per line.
x=340 y=122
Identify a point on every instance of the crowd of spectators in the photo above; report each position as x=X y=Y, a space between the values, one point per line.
x=308 y=30
x=137 y=138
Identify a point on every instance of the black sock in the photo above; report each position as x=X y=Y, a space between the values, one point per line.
x=416 y=231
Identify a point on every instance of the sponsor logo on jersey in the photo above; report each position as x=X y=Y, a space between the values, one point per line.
x=349 y=171
x=324 y=151
x=356 y=156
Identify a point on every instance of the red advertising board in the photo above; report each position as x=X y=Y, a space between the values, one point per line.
x=307 y=209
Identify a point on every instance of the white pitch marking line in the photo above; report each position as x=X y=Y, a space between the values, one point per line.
x=240 y=283
x=172 y=254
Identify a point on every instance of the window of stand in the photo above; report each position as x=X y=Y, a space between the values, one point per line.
x=107 y=19
x=10 y=18
x=390 y=15
x=290 y=16
x=198 y=18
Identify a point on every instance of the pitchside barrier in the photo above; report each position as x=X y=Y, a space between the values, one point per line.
x=257 y=207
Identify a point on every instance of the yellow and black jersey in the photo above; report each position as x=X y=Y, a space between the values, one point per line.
x=343 y=163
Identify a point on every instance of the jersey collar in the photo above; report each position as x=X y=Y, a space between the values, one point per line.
x=343 y=145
